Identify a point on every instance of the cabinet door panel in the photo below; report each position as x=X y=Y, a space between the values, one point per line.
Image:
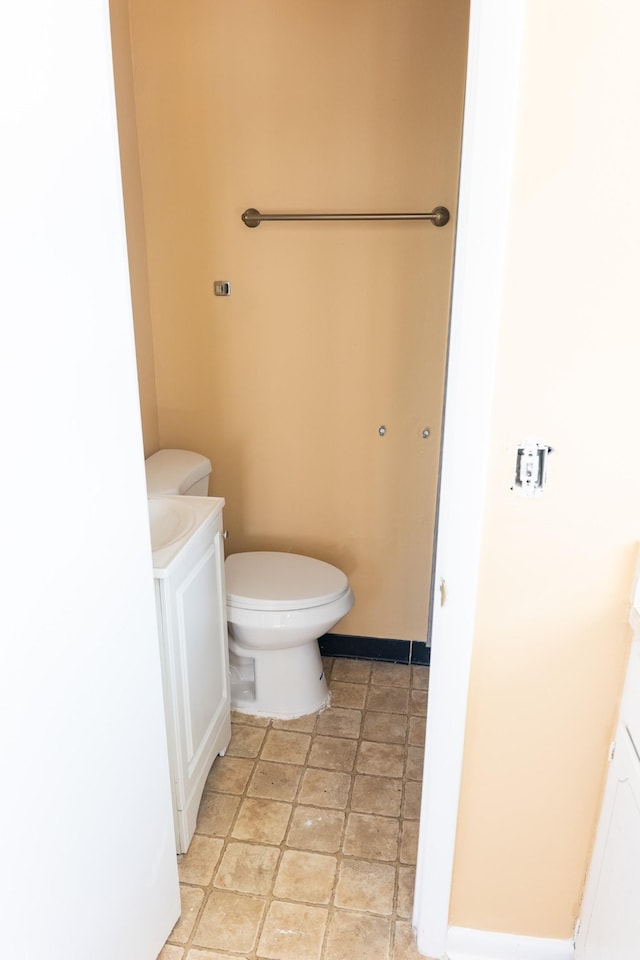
x=199 y=661
x=201 y=666
x=611 y=924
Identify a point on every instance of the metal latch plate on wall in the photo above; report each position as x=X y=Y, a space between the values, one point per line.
x=531 y=468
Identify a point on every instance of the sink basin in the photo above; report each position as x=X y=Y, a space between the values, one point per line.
x=170 y=520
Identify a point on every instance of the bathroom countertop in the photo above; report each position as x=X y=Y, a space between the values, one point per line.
x=174 y=527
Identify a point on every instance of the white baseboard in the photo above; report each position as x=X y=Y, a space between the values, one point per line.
x=464 y=944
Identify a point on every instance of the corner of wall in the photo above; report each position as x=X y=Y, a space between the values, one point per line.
x=135 y=220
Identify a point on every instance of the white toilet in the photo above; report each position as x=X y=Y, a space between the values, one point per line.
x=278 y=604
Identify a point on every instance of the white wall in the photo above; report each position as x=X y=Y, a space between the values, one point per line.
x=87 y=864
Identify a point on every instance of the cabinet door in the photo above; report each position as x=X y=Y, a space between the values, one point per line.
x=201 y=676
x=610 y=927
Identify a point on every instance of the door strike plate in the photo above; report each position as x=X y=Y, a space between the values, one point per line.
x=222 y=288
x=531 y=468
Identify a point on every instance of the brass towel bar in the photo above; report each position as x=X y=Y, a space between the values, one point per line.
x=439 y=216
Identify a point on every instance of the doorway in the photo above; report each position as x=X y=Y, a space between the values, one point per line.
x=316 y=387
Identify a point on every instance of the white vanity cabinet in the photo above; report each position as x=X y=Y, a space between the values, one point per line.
x=188 y=562
x=610 y=922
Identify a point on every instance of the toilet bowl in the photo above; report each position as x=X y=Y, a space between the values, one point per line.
x=278 y=605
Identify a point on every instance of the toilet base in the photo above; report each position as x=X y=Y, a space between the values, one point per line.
x=282 y=684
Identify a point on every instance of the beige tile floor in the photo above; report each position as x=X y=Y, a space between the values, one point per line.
x=305 y=846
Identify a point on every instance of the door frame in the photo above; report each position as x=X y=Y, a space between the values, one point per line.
x=489 y=128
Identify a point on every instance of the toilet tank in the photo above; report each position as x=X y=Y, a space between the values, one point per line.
x=177 y=472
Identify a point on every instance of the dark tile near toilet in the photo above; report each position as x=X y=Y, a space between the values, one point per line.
x=420 y=653
x=365 y=648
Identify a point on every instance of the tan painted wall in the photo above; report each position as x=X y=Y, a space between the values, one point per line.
x=331 y=330
x=136 y=234
x=551 y=635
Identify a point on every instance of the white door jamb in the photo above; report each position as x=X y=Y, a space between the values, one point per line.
x=487 y=147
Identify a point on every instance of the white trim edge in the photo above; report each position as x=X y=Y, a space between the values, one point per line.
x=495 y=35
x=464 y=944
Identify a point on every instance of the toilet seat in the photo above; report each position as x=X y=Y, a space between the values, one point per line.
x=267 y=580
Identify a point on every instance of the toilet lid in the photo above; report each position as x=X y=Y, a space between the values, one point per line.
x=264 y=580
